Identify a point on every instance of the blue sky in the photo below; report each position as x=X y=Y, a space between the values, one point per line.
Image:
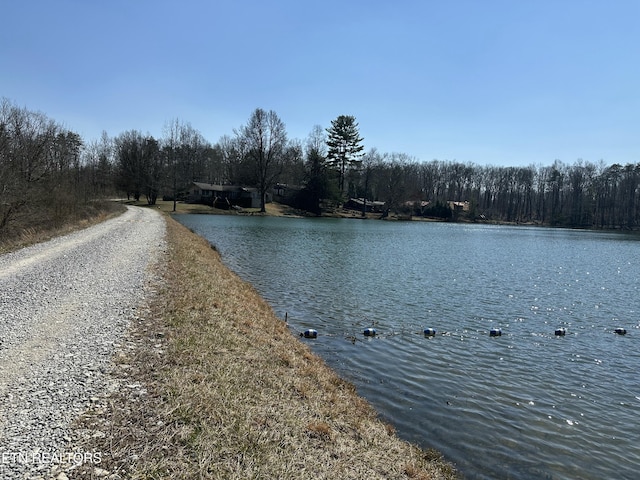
x=500 y=82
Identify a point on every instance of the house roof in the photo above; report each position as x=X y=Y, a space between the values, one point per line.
x=422 y=203
x=360 y=201
x=222 y=188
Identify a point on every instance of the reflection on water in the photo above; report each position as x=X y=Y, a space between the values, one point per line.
x=526 y=405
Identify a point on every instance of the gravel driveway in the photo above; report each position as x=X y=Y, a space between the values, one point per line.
x=64 y=306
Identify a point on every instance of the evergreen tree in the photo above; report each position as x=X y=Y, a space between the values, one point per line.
x=344 y=146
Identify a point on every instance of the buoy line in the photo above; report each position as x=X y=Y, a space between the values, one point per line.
x=428 y=332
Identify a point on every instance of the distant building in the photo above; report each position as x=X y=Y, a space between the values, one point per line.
x=417 y=204
x=459 y=206
x=286 y=193
x=359 y=203
x=224 y=196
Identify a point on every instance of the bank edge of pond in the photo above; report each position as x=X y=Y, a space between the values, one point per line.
x=275 y=209
x=223 y=389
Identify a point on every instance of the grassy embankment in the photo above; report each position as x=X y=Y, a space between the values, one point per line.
x=273 y=209
x=34 y=229
x=214 y=385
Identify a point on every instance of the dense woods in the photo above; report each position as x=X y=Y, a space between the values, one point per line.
x=48 y=174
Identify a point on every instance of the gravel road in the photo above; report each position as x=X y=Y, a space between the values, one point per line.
x=64 y=307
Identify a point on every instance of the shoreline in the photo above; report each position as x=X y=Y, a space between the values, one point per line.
x=275 y=209
x=230 y=392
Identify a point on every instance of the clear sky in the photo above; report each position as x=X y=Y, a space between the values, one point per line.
x=501 y=82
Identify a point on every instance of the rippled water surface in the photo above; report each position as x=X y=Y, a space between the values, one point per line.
x=525 y=405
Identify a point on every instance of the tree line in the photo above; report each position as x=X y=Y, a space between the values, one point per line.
x=42 y=176
x=581 y=195
x=48 y=172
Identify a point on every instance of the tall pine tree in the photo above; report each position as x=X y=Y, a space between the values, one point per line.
x=344 y=147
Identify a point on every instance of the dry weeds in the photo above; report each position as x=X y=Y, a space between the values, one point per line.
x=35 y=229
x=214 y=385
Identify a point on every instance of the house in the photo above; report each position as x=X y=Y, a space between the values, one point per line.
x=286 y=194
x=224 y=196
x=359 y=203
x=417 y=206
x=458 y=206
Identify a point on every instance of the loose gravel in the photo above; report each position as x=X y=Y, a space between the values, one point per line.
x=65 y=306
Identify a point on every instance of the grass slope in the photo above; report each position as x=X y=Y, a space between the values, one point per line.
x=213 y=385
x=33 y=230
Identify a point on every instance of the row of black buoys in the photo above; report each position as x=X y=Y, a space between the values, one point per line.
x=368 y=332
x=311 y=333
x=563 y=331
x=431 y=332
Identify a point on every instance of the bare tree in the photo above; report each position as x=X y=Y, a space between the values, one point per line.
x=317 y=142
x=41 y=172
x=140 y=165
x=26 y=161
x=234 y=164
x=370 y=161
x=170 y=142
x=265 y=139
x=316 y=178
x=185 y=153
x=293 y=168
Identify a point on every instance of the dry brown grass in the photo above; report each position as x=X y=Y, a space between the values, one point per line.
x=181 y=207
x=214 y=385
x=34 y=229
x=273 y=209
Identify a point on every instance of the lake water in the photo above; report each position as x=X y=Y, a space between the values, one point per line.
x=524 y=405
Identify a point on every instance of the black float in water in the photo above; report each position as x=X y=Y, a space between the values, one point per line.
x=369 y=332
x=310 y=333
x=621 y=331
x=495 y=332
x=429 y=332
x=561 y=331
